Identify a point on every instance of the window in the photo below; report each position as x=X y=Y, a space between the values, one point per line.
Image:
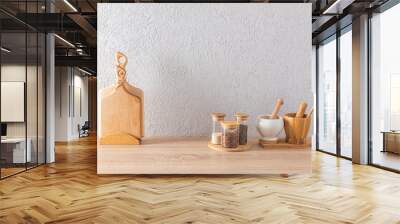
x=346 y=93
x=327 y=96
x=335 y=94
x=385 y=89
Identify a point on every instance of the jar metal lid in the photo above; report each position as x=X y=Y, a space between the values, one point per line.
x=229 y=124
x=217 y=116
x=241 y=116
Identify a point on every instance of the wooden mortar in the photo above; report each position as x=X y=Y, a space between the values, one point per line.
x=297 y=128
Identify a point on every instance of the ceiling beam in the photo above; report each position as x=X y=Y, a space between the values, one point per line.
x=320 y=22
x=84 y=24
x=337 y=7
x=49 y=22
x=79 y=61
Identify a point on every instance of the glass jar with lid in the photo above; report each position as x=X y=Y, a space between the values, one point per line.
x=242 y=118
x=230 y=134
x=216 y=135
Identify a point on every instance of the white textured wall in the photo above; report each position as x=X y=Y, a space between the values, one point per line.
x=62 y=81
x=194 y=59
x=66 y=121
x=81 y=82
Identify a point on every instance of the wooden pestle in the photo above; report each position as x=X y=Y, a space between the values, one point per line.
x=278 y=105
x=310 y=113
x=301 y=109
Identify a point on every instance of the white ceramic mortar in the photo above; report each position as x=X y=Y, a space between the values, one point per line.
x=270 y=129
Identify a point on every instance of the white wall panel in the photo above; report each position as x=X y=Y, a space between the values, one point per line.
x=194 y=59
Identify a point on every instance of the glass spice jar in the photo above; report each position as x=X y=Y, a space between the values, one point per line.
x=230 y=134
x=242 y=118
x=216 y=134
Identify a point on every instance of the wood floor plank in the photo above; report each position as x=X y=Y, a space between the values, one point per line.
x=70 y=191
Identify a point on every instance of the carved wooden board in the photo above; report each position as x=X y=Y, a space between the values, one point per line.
x=121 y=110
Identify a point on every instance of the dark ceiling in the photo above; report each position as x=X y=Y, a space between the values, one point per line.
x=76 y=21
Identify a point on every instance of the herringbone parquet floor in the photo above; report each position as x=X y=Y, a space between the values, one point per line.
x=69 y=191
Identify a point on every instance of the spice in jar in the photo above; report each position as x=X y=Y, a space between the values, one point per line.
x=243 y=134
x=216 y=135
x=230 y=134
x=242 y=118
x=216 y=138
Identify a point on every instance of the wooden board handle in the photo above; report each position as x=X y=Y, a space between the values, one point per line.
x=121 y=59
x=301 y=109
x=121 y=62
x=278 y=105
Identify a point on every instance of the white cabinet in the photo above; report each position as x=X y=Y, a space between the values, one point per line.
x=17 y=145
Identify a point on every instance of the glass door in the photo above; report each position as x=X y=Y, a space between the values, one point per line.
x=22 y=77
x=326 y=136
x=14 y=155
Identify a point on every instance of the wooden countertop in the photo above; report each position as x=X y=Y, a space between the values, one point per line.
x=191 y=155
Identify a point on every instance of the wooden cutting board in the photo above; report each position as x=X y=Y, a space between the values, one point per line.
x=121 y=110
